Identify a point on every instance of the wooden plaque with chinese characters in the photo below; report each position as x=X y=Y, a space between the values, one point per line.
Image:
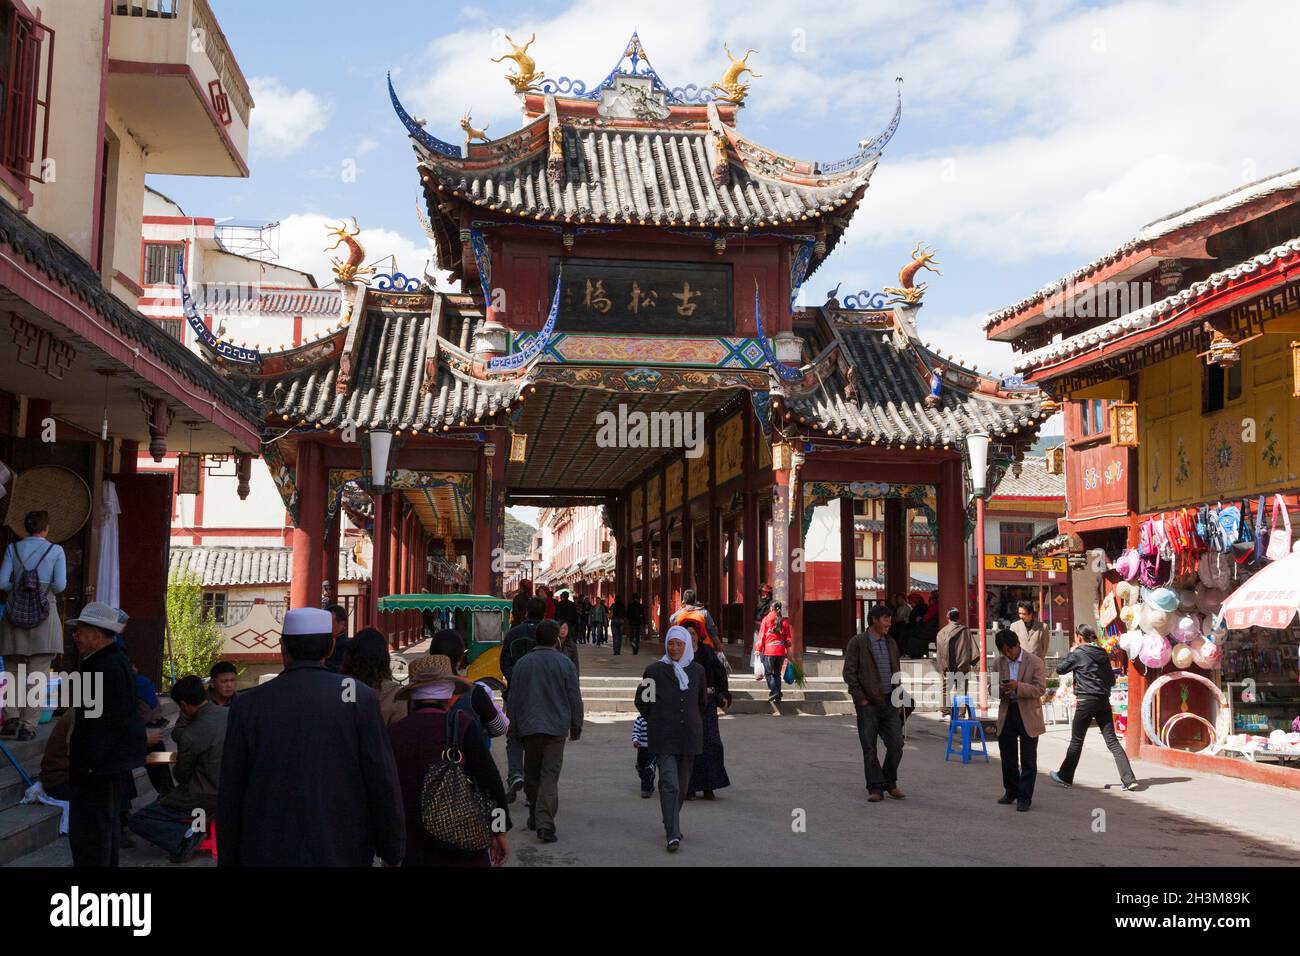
x=622 y=296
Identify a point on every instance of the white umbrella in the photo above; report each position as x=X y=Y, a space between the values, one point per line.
x=1269 y=598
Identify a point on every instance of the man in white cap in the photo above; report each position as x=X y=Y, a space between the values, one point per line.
x=108 y=738
x=307 y=772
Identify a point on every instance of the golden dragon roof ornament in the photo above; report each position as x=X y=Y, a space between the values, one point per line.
x=909 y=293
x=730 y=88
x=527 y=77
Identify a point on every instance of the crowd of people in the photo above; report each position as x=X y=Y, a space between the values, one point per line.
x=335 y=763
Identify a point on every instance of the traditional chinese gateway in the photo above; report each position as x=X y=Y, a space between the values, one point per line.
x=627 y=250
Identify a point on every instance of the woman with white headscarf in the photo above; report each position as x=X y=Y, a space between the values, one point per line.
x=671 y=697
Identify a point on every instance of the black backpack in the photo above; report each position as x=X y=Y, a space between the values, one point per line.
x=29 y=604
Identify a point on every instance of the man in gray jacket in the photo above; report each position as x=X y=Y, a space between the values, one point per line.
x=546 y=705
x=178 y=821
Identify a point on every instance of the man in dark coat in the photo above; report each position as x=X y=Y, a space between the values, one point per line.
x=108 y=739
x=870 y=663
x=307 y=775
x=635 y=622
x=671 y=697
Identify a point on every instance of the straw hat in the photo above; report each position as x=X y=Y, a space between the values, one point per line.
x=60 y=491
x=430 y=670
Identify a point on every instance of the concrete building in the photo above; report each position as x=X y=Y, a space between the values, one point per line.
x=131 y=87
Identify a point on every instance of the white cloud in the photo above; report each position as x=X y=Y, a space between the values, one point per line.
x=304 y=237
x=959 y=334
x=1082 y=126
x=284 y=120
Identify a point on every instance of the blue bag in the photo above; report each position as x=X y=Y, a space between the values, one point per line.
x=788 y=674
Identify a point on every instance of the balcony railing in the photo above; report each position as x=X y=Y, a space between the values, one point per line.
x=203 y=25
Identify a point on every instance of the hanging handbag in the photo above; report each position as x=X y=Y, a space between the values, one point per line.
x=453 y=812
x=1108 y=613
x=788 y=674
x=1279 y=536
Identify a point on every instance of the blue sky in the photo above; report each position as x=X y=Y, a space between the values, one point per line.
x=1034 y=136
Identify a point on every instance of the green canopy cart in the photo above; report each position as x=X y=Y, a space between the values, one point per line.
x=481 y=619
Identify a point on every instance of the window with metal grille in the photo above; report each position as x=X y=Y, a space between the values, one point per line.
x=214 y=604
x=24 y=113
x=160 y=260
x=1015 y=536
x=173 y=327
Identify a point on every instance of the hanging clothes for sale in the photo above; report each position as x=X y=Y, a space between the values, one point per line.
x=109 y=579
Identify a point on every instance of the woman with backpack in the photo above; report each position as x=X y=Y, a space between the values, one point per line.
x=452 y=795
x=31 y=634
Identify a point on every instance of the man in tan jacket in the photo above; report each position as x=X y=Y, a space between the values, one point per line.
x=1030 y=630
x=1021 y=685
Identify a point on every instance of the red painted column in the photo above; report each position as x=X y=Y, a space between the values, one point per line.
x=794 y=609
x=753 y=572
x=897 y=574
x=848 y=572
x=308 y=563
x=954 y=567
x=481 y=558
x=331 y=556
x=395 y=522
x=665 y=558
x=379 y=564
x=129 y=455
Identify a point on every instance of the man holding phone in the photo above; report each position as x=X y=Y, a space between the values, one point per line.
x=1020 y=718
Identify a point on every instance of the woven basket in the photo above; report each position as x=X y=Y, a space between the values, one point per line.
x=61 y=492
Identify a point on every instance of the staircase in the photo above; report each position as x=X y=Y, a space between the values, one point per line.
x=24 y=828
x=823 y=696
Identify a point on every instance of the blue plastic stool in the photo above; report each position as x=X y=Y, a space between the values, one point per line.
x=968 y=726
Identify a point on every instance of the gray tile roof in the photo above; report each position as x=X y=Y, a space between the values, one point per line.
x=1200 y=212
x=643 y=175
x=388 y=387
x=219 y=567
x=890 y=402
x=48 y=253
x=1034 y=482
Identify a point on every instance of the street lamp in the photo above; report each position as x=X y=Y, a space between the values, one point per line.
x=381 y=443
x=977 y=447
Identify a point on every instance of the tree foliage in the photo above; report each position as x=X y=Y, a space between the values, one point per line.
x=195 y=638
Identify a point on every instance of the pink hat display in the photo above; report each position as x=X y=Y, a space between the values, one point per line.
x=1130 y=642
x=1186 y=627
x=1127 y=565
x=1205 y=653
x=1155 y=651
x=1209 y=600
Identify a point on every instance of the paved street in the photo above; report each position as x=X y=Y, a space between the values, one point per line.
x=781 y=765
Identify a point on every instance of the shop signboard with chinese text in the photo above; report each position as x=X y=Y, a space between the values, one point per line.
x=620 y=296
x=1024 y=562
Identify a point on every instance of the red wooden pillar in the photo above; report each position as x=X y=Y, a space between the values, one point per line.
x=395 y=522
x=646 y=576
x=848 y=572
x=331 y=556
x=481 y=556
x=665 y=557
x=753 y=572
x=308 y=563
x=129 y=455
x=688 y=534
x=781 y=531
x=897 y=575
x=794 y=609
x=954 y=567
x=379 y=559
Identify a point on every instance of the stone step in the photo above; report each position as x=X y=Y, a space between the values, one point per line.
x=24 y=829
x=789 y=706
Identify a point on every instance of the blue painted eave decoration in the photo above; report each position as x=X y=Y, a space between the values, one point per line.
x=637 y=64
x=418 y=133
x=873 y=147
